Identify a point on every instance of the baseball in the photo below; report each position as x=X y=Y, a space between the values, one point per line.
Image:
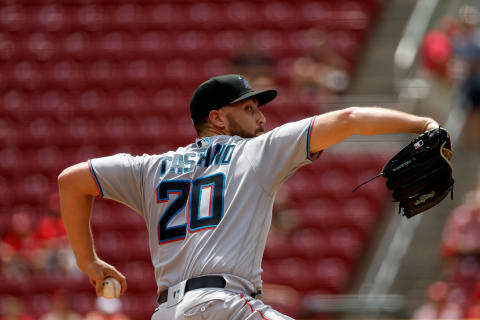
x=111 y=288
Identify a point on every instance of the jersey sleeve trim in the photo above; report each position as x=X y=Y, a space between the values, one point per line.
x=309 y=136
x=94 y=176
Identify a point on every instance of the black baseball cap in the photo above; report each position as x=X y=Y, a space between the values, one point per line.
x=220 y=91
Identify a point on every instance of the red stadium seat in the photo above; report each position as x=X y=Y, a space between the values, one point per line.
x=47 y=281
x=242 y=15
x=78 y=45
x=112 y=245
x=214 y=67
x=91 y=103
x=12 y=17
x=126 y=16
x=278 y=246
x=15 y=283
x=310 y=243
x=90 y=17
x=40 y=131
x=279 y=14
x=331 y=274
x=41 y=46
x=130 y=102
x=166 y=101
x=317 y=12
x=83 y=153
x=283 y=71
x=115 y=44
x=165 y=16
x=48 y=160
x=117 y=218
x=12 y=161
x=272 y=42
x=269 y=273
x=155 y=44
x=33 y=188
x=353 y=15
x=335 y=183
x=67 y=74
x=140 y=276
x=192 y=43
x=27 y=74
x=151 y=129
x=347 y=244
x=117 y=129
x=140 y=305
x=321 y=213
x=228 y=42
x=375 y=191
x=344 y=43
x=295 y=273
x=84 y=302
x=103 y=219
x=8 y=46
x=78 y=282
x=177 y=70
x=204 y=16
x=359 y=213
x=39 y=304
x=78 y=132
x=335 y=160
x=9 y=133
x=50 y=17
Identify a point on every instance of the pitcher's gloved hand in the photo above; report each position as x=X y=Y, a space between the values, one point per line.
x=420 y=175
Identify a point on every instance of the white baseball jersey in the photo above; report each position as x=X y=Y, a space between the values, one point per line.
x=208 y=205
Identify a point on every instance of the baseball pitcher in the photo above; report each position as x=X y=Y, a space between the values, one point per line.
x=208 y=205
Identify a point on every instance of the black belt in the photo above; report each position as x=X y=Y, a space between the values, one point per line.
x=197 y=283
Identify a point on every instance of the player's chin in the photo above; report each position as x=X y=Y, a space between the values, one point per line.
x=259 y=132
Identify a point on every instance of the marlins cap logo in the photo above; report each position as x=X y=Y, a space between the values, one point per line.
x=244 y=81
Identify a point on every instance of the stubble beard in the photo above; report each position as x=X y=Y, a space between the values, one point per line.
x=237 y=130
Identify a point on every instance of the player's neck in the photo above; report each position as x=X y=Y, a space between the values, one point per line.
x=210 y=131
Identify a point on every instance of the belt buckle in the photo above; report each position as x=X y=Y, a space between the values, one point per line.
x=176 y=294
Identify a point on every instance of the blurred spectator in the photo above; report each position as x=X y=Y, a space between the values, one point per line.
x=461 y=242
x=50 y=228
x=61 y=308
x=461 y=235
x=21 y=236
x=438 y=305
x=321 y=70
x=51 y=237
x=13 y=309
x=436 y=59
x=436 y=49
x=466 y=46
x=473 y=310
x=251 y=62
x=18 y=246
x=27 y=246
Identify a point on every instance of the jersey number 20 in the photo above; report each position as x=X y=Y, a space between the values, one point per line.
x=196 y=192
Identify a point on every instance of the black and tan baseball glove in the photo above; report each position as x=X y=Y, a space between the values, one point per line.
x=420 y=175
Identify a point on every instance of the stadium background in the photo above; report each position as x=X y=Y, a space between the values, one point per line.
x=83 y=79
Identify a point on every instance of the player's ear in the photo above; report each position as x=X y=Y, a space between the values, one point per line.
x=217 y=119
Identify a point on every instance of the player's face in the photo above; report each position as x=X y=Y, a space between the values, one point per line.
x=245 y=119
